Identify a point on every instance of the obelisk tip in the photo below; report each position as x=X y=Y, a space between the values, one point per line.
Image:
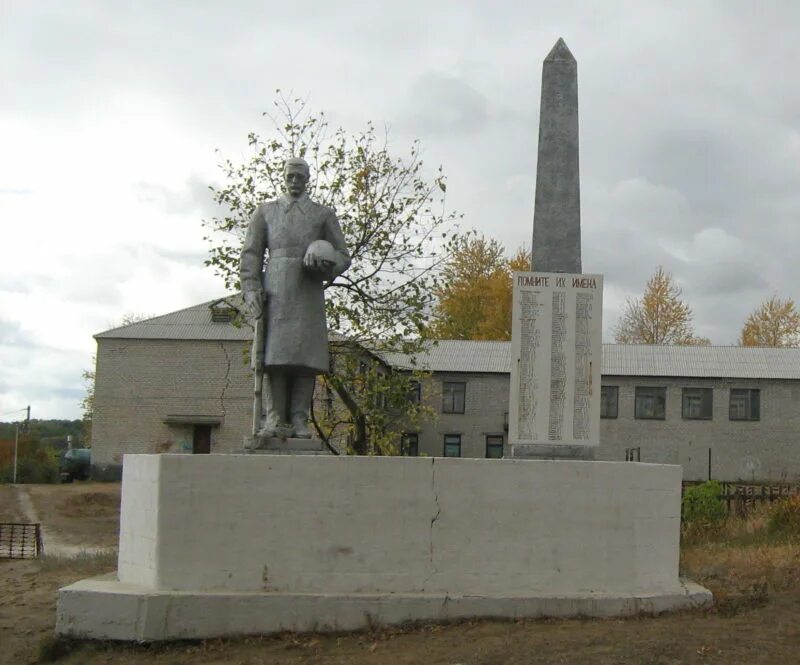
x=560 y=52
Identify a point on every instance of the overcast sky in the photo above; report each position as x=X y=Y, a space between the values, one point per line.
x=111 y=112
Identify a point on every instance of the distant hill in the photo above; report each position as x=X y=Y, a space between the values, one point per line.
x=53 y=432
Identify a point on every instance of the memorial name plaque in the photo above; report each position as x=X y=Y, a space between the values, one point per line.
x=556 y=354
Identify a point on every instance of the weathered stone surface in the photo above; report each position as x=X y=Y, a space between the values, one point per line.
x=102 y=608
x=288 y=299
x=557 y=215
x=281 y=550
x=294 y=514
x=556 y=346
x=543 y=451
x=287 y=446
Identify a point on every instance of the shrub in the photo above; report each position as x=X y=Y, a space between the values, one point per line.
x=784 y=516
x=702 y=507
x=36 y=463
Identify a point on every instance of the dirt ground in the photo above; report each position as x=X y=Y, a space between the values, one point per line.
x=81 y=514
x=756 y=618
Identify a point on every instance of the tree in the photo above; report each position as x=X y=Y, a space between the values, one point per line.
x=659 y=316
x=474 y=298
x=87 y=403
x=775 y=323
x=398 y=231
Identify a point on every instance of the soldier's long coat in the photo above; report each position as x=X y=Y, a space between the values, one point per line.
x=295 y=326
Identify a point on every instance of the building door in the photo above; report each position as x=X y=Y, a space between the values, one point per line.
x=201 y=439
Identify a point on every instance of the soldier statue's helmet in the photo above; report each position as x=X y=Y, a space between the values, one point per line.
x=324 y=250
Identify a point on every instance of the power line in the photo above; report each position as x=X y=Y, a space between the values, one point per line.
x=3 y=415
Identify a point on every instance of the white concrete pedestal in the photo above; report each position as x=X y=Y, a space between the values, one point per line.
x=218 y=545
x=290 y=446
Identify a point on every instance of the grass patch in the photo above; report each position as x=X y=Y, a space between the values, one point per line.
x=53 y=648
x=743 y=560
x=89 y=504
x=86 y=563
x=733 y=531
x=784 y=516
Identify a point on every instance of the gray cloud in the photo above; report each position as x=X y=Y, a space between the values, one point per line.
x=186 y=258
x=194 y=197
x=690 y=129
x=443 y=104
x=71 y=394
x=11 y=334
x=726 y=278
x=15 y=191
x=14 y=284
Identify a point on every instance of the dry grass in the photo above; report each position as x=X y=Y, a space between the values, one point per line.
x=89 y=504
x=84 y=564
x=736 y=531
x=741 y=561
x=754 y=575
x=778 y=564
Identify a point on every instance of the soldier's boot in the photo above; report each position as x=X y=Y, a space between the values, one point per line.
x=302 y=393
x=275 y=402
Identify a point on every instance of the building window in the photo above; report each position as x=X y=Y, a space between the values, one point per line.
x=609 y=401
x=698 y=403
x=453 y=394
x=494 y=446
x=745 y=404
x=452 y=445
x=651 y=403
x=414 y=392
x=221 y=314
x=409 y=444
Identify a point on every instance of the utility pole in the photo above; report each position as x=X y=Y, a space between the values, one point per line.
x=16 y=440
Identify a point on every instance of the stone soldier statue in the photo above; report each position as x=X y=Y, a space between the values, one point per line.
x=289 y=296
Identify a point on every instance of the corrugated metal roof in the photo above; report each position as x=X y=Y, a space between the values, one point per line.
x=623 y=360
x=701 y=361
x=454 y=355
x=495 y=357
x=190 y=323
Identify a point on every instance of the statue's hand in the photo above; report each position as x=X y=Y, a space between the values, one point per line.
x=253 y=304
x=315 y=262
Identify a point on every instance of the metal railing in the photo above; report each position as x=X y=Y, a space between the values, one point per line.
x=20 y=541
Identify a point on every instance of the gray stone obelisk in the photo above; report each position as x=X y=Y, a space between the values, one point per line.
x=557 y=212
x=556 y=335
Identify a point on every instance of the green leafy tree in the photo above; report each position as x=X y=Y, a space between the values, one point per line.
x=474 y=298
x=660 y=316
x=37 y=462
x=87 y=403
x=775 y=323
x=398 y=231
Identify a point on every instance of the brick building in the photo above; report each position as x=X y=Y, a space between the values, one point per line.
x=179 y=383
x=173 y=383
x=727 y=412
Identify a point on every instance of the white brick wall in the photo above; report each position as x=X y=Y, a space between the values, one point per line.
x=767 y=449
x=140 y=382
x=485 y=404
x=294 y=530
